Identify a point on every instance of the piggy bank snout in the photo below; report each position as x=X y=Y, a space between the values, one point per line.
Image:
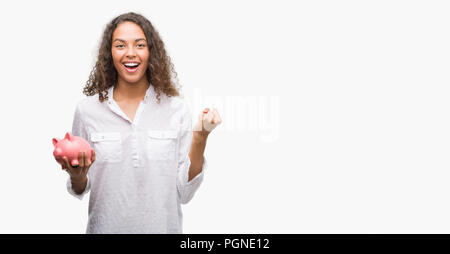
x=57 y=152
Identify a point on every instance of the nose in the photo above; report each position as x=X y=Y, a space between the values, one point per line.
x=131 y=52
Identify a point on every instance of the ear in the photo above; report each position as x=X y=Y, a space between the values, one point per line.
x=55 y=141
x=69 y=136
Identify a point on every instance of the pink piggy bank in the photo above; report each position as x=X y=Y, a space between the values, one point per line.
x=70 y=146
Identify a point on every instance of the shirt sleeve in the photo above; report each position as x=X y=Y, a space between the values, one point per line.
x=186 y=189
x=79 y=196
x=78 y=129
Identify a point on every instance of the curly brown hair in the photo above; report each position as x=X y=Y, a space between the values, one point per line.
x=160 y=72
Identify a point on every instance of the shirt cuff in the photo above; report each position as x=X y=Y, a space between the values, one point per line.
x=79 y=196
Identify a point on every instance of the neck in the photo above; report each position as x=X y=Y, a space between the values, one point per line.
x=130 y=91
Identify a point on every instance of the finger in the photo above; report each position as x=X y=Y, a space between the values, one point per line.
x=210 y=117
x=85 y=160
x=216 y=112
x=85 y=163
x=60 y=162
x=207 y=115
x=217 y=118
x=208 y=124
x=206 y=110
x=58 y=159
x=80 y=160
x=93 y=156
x=214 y=119
x=66 y=164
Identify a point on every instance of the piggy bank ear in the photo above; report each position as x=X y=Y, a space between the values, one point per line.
x=55 y=141
x=69 y=136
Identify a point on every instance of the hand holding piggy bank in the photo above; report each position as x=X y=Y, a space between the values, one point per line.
x=70 y=147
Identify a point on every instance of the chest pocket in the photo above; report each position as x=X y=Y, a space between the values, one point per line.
x=162 y=145
x=107 y=146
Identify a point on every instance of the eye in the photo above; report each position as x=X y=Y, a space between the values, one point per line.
x=141 y=45
x=120 y=46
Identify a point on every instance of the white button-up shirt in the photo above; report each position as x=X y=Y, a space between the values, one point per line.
x=140 y=176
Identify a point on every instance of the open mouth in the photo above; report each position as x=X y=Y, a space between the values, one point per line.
x=131 y=67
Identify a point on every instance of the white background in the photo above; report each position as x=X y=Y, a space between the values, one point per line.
x=363 y=118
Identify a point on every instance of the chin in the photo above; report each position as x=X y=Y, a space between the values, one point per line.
x=132 y=79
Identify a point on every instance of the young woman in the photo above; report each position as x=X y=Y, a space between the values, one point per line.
x=148 y=158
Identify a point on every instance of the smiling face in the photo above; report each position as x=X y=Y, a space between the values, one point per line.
x=130 y=52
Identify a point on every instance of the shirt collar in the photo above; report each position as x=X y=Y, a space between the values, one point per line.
x=148 y=94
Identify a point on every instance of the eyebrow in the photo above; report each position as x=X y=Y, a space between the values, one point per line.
x=125 y=41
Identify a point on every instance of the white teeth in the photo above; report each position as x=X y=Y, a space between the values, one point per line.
x=131 y=64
